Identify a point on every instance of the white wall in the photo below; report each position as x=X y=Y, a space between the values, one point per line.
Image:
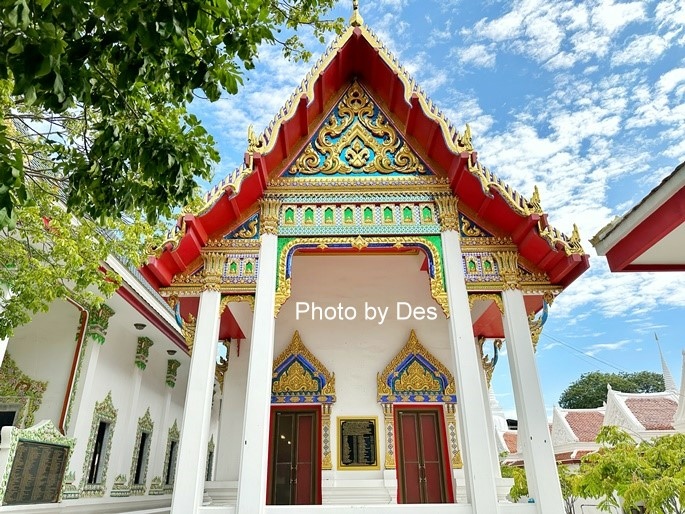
x=354 y=350
x=44 y=350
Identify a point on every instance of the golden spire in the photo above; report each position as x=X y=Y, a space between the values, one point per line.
x=356 y=19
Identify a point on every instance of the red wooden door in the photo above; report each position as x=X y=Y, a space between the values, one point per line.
x=422 y=465
x=294 y=470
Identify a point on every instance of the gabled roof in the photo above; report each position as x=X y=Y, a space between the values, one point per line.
x=651 y=235
x=584 y=423
x=641 y=412
x=358 y=55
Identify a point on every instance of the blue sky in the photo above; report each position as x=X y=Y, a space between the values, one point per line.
x=586 y=99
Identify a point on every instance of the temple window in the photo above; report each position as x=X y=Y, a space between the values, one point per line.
x=348 y=215
x=426 y=214
x=249 y=268
x=471 y=266
x=289 y=216
x=97 y=459
x=387 y=215
x=309 y=216
x=141 y=458
x=487 y=266
x=170 y=467
x=328 y=216
x=368 y=215
x=233 y=268
x=407 y=215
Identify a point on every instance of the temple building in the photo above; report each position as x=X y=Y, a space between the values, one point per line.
x=337 y=309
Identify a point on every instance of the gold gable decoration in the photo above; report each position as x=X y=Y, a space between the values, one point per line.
x=357 y=138
x=408 y=377
x=299 y=377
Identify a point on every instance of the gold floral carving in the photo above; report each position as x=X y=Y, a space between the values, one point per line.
x=389 y=436
x=236 y=298
x=508 y=268
x=213 y=270
x=488 y=362
x=413 y=347
x=534 y=202
x=295 y=348
x=451 y=419
x=188 y=330
x=438 y=291
x=487 y=297
x=470 y=229
x=357 y=139
x=269 y=215
x=447 y=209
x=295 y=379
x=248 y=232
x=416 y=378
x=535 y=326
x=221 y=367
x=252 y=139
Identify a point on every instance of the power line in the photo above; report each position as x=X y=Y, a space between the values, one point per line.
x=584 y=354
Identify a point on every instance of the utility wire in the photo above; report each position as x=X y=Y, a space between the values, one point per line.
x=584 y=354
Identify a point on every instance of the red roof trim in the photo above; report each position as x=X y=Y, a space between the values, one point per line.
x=646 y=234
x=387 y=87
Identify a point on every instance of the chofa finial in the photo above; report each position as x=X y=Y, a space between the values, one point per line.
x=356 y=18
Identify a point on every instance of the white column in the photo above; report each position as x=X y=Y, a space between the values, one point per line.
x=255 y=442
x=192 y=450
x=479 y=468
x=161 y=434
x=534 y=438
x=3 y=348
x=124 y=464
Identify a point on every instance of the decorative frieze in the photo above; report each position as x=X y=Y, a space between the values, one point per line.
x=143 y=352
x=269 y=216
x=98 y=322
x=19 y=391
x=455 y=453
x=171 y=372
x=213 y=270
x=508 y=268
x=447 y=209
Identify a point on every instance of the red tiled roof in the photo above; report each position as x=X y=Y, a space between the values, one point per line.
x=653 y=413
x=510 y=439
x=585 y=424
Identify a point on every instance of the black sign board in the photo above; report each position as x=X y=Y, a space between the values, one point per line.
x=357 y=443
x=37 y=473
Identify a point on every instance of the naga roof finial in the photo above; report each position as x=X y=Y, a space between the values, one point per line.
x=356 y=19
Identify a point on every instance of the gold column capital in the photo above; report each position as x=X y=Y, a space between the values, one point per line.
x=447 y=210
x=508 y=269
x=213 y=270
x=268 y=218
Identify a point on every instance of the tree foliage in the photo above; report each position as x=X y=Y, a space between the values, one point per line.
x=623 y=472
x=569 y=481
x=95 y=138
x=590 y=390
x=125 y=71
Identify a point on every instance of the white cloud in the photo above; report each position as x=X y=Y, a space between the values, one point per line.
x=645 y=48
x=612 y=17
x=599 y=347
x=477 y=55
